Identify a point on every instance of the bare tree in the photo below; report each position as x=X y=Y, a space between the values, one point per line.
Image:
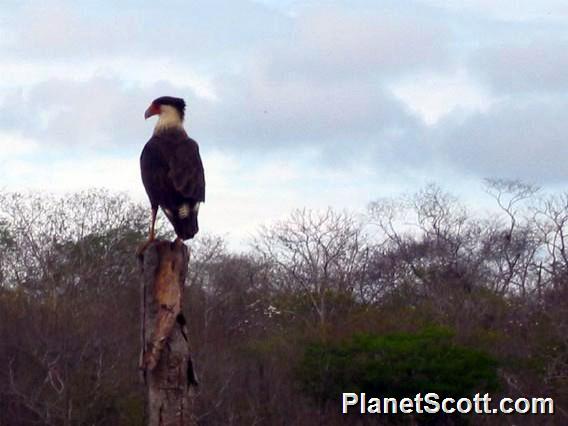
x=316 y=254
x=515 y=247
x=70 y=268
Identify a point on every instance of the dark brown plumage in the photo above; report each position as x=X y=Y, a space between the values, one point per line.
x=171 y=168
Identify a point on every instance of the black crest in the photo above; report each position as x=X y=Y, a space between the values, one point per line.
x=177 y=103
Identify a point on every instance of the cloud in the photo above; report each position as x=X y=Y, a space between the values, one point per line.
x=258 y=110
x=100 y=112
x=513 y=139
x=324 y=88
x=534 y=66
x=505 y=10
x=74 y=174
x=330 y=43
x=15 y=145
x=434 y=95
x=56 y=29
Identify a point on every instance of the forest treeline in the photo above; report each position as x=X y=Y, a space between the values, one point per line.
x=416 y=294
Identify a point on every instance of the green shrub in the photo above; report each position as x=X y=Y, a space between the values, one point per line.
x=396 y=365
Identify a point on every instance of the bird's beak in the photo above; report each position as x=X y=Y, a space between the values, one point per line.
x=152 y=110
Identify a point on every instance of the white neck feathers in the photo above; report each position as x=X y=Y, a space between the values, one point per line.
x=169 y=118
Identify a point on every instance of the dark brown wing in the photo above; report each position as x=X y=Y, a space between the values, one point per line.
x=154 y=170
x=186 y=169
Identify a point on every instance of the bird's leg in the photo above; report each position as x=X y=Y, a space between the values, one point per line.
x=152 y=235
x=152 y=223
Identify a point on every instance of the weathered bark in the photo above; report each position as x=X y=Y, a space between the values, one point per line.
x=165 y=358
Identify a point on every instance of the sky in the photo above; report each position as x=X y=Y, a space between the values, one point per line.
x=311 y=103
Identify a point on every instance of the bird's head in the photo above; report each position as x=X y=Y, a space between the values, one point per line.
x=171 y=111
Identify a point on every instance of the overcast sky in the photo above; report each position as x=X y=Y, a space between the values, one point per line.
x=310 y=103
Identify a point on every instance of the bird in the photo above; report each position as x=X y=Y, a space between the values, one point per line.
x=172 y=171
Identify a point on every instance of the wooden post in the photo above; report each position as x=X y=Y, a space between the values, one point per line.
x=165 y=359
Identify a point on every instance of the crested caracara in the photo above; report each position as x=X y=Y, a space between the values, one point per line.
x=171 y=169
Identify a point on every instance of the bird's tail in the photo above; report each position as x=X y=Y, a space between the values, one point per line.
x=186 y=225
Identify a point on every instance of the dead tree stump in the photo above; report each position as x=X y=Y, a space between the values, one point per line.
x=165 y=359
